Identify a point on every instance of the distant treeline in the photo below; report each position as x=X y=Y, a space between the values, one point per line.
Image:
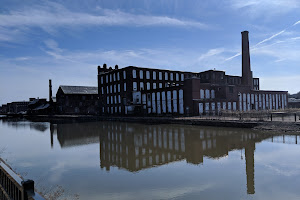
x=297 y=95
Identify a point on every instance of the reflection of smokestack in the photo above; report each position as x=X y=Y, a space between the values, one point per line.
x=246 y=69
x=249 y=155
x=51 y=134
x=50 y=91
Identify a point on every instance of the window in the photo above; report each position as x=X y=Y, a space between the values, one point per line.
x=118 y=76
x=134 y=86
x=115 y=88
x=111 y=99
x=201 y=94
x=107 y=89
x=116 y=100
x=119 y=88
x=182 y=77
x=177 y=77
x=148 y=86
x=107 y=100
x=141 y=86
x=141 y=74
x=111 y=91
x=83 y=97
x=110 y=78
x=133 y=73
x=154 y=85
x=160 y=85
x=101 y=79
x=166 y=76
x=107 y=79
x=147 y=75
x=154 y=75
x=160 y=75
x=207 y=94
x=102 y=91
x=212 y=94
x=114 y=76
x=171 y=76
x=124 y=74
x=124 y=87
x=119 y=97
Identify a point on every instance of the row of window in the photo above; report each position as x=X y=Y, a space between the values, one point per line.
x=206 y=107
x=113 y=88
x=113 y=99
x=112 y=77
x=112 y=110
x=262 y=101
x=207 y=94
x=117 y=87
x=168 y=75
x=148 y=86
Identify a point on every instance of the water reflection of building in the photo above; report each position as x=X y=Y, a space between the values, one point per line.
x=74 y=134
x=21 y=124
x=135 y=147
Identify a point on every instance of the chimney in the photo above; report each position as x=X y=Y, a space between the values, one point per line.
x=50 y=91
x=247 y=78
x=116 y=67
x=104 y=66
x=99 y=69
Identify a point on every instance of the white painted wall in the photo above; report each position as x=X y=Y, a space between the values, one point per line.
x=229 y=105
x=181 y=106
x=248 y=102
x=169 y=102
x=206 y=107
x=200 y=108
x=158 y=103
x=164 y=102
x=234 y=106
x=175 y=101
x=153 y=103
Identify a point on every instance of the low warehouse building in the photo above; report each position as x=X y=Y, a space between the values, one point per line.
x=77 y=100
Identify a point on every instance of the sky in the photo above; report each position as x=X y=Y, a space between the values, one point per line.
x=66 y=40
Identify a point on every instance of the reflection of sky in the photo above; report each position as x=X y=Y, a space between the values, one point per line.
x=77 y=170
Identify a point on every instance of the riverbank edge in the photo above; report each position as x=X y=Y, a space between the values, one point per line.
x=290 y=127
x=255 y=125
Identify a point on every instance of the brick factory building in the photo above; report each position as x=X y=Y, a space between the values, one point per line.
x=77 y=100
x=147 y=91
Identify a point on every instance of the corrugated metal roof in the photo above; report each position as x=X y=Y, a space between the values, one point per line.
x=79 y=89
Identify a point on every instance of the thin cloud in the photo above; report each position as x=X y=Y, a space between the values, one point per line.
x=256 y=46
x=268 y=8
x=210 y=53
x=58 y=16
x=270 y=38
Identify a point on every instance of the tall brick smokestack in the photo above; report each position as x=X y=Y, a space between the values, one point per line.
x=247 y=78
x=50 y=90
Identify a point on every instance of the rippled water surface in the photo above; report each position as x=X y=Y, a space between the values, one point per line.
x=112 y=160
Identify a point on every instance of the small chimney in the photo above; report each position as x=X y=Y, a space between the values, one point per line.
x=116 y=67
x=104 y=66
x=99 y=69
x=247 y=78
x=50 y=91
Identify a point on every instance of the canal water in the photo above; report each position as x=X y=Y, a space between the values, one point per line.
x=114 y=160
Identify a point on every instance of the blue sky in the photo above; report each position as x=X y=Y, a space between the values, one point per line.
x=66 y=40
